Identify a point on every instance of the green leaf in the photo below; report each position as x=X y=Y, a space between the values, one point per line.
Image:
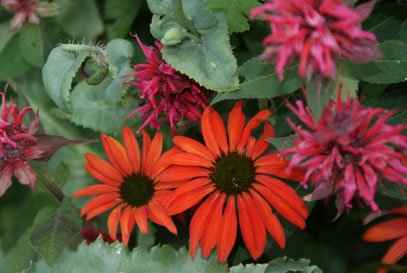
x=122 y=13
x=204 y=54
x=389 y=69
x=12 y=63
x=80 y=19
x=262 y=82
x=281 y=142
x=349 y=84
x=54 y=228
x=58 y=74
x=5 y=34
x=249 y=268
x=32 y=45
x=102 y=257
x=403 y=31
x=236 y=12
x=393 y=190
x=284 y=265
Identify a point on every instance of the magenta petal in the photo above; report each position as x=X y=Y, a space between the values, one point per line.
x=25 y=174
x=5 y=179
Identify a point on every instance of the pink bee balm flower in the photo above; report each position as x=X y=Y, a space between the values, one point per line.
x=166 y=90
x=316 y=31
x=347 y=150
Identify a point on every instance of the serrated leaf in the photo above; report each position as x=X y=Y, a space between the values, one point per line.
x=392 y=68
x=58 y=73
x=102 y=257
x=403 y=31
x=284 y=265
x=393 y=190
x=54 y=228
x=12 y=63
x=204 y=56
x=122 y=13
x=249 y=268
x=262 y=82
x=236 y=12
x=32 y=45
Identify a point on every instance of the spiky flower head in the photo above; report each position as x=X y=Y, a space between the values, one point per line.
x=349 y=149
x=166 y=90
x=316 y=32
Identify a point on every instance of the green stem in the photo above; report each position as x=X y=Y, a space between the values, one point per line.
x=182 y=19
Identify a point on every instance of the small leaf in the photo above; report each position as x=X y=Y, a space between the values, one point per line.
x=319 y=92
x=284 y=265
x=54 y=228
x=12 y=63
x=205 y=54
x=281 y=143
x=32 y=45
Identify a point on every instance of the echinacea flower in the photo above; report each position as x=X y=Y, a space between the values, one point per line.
x=389 y=230
x=129 y=183
x=349 y=149
x=230 y=175
x=316 y=32
x=166 y=90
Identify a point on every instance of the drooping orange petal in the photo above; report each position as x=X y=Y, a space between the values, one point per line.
x=132 y=149
x=124 y=225
x=100 y=177
x=209 y=136
x=271 y=159
x=151 y=216
x=187 y=159
x=285 y=193
x=253 y=230
x=119 y=155
x=154 y=152
x=251 y=125
x=132 y=221
x=262 y=143
x=228 y=230
x=285 y=210
x=250 y=146
x=162 y=196
x=161 y=164
x=274 y=165
x=176 y=173
x=94 y=190
x=385 y=231
x=199 y=222
x=144 y=152
x=169 y=185
x=113 y=221
x=159 y=212
x=99 y=201
x=141 y=218
x=218 y=128
x=96 y=211
x=395 y=252
x=270 y=221
x=103 y=167
x=192 y=146
x=211 y=233
x=400 y=210
x=236 y=123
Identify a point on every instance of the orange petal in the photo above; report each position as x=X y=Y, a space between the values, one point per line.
x=176 y=173
x=250 y=146
x=99 y=201
x=162 y=196
x=113 y=221
x=92 y=213
x=285 y=193
x=95 y=189
x=218 y=128
x=388 y=230
x=188 y=195
x=146 y=148
x=153 y=153
x=118 y=155
x=400 y=210
x=273 y=165
x=395 y=252
x=212 y=231
x=208 y=135
x=159 y=212
x=169 y=185
x=271 y=159
x=262 y=143
x=285 y=210
x=192 y=146
x=199 y=222
x=100 y=177
x=251 y=125
x=161 y=164
x=124 y=225
x=141 y=218
x=228 y=230
x=270 y=221
x=236 y=123
x=187 y=159
x=103 y=167
x=132 y=149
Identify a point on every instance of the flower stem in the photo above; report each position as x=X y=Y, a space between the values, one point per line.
x=182 y=19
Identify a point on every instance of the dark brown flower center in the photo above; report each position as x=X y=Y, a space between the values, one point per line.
x=233 y=173
x=137 y=190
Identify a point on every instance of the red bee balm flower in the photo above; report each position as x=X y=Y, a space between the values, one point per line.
x=130 y=183
x=347 y=150
x=389 y=230
x=316 y=31
x=179 y=95
x=233 y=175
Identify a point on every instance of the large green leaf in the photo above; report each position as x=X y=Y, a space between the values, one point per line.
x=236 y=12
x=284 y=265
x=196 y=42
x=261 y=81
x=12 y=63
x=32 y=45
x=5 y=34
x=122 y=14
x=249 y=268
x=389 y=69
x=54 y=228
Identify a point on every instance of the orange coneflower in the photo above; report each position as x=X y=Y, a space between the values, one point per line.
x=233 y=176
x=130 y=183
